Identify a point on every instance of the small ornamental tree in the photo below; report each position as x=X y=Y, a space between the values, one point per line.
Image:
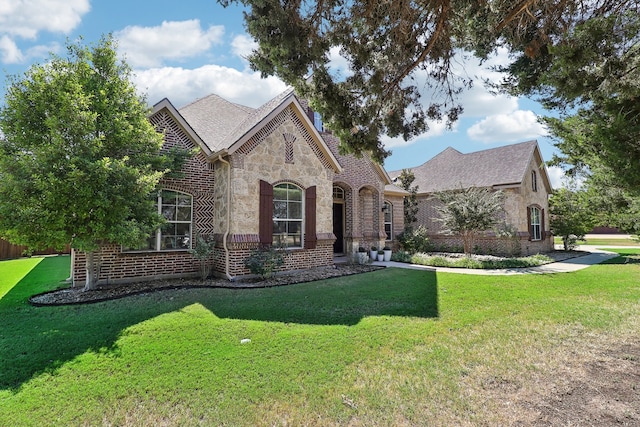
x=78 y=157
x=468 y=212
x=570 y=215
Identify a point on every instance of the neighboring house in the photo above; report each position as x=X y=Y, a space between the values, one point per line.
x=266 y=176
x=518 y=170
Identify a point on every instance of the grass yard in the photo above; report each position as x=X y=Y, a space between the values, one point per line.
x=391 y=347
x=603 y=241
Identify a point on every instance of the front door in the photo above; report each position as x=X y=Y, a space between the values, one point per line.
x=338 y=227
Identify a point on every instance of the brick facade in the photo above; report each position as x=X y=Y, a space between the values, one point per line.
x=364 y=185
x=284 y=151
x=517 y=199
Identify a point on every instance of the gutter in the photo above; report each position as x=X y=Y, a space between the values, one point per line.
x=228 y=226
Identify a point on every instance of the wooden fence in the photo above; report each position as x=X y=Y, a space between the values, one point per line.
x=9 y=251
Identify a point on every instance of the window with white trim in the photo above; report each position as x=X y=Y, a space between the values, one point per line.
x=535 y=224
x=388 y=220
x=288 y=211
x=175 y=233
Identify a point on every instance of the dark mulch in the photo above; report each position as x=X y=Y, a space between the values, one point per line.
x=75 y=295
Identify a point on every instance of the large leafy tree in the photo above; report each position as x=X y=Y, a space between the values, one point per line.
x=612 y=205
x=469 y=212
x=593 y=82
x=397 y=49
x=78 y=157
x=571 y=214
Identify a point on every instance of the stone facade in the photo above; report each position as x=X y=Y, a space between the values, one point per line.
x=517 y=199
x=284 y=151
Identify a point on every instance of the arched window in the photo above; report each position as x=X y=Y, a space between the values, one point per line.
x=338 y=193
x=534 y=181
x=288 y=214
x=175 y=233
x=387 y=209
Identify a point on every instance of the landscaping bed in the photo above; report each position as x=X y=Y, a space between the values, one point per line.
x=75 y=295
x=475 y=261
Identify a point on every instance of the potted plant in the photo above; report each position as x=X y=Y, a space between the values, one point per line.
x=373 y=253
x=387 y=253
x=380 y=255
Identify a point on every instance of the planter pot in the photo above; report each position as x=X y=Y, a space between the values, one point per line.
x=387 y=255
x=380 y=257
x=362 y=257
x=373 y=255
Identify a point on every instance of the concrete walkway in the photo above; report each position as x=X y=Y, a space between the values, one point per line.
x=592 y=256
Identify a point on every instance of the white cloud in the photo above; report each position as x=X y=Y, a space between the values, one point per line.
x=9 y=51
x=26 y=18
x=174 y=40
x=243 y=45
x=556 y=176
x=478 y=102
x=518 y=125
x=338 y=64
x=435 y=129
x=182 y=86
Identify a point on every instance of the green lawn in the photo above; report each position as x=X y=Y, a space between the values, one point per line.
x=390 y=347
x=603 y=241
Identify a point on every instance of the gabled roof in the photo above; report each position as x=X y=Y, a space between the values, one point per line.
x=224 y=126
x=165 y=104
x=214 y=119
x=496 y=167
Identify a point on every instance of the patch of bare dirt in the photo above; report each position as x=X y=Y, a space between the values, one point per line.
x=594 y=385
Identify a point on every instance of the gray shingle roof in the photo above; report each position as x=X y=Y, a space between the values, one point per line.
x=221 y=123
x=451 y=169
x=214 y=119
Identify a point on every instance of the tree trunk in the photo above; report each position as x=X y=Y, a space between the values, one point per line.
x=90 y=269
x=467 y=241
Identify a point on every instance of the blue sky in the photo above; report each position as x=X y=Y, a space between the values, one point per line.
x=183 y=50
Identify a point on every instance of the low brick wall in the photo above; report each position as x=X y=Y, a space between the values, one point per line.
x=495 y=245
x=116 y=266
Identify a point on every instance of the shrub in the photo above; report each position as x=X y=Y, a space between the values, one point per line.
x=401 y=256
x=265 y=261
x=414 y=240
x=570 y=242
x=202 y=252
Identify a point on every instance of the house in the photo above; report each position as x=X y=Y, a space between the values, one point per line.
x=265 y=176
x=518 y=170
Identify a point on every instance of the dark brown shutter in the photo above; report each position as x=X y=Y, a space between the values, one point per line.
x=266 y=213
x=310 y=218
x=529 y=227
x=542 y=232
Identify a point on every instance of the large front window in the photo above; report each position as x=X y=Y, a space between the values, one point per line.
x=535 y=224
x=175 y=233
x=287 y=215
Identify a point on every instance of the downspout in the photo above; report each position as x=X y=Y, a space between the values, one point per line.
x=228 y=226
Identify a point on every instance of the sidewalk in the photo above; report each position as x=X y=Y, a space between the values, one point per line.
x=592 y=256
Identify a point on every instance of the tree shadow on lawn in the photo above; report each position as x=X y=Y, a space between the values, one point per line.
x=36 y=340
x=630 y=256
